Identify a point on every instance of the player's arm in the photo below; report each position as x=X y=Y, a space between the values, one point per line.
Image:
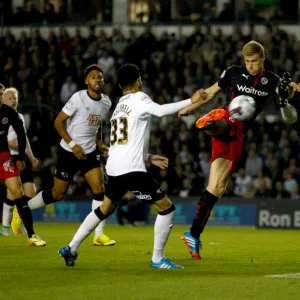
x=34 y=161
x=17 y=125
x=102 y=147
x=14 y=145
x=60 y=127
x=171 y=108
x=210 y=94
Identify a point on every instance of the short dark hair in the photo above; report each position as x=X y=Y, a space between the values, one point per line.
x=128 y=74
x=91 y=68
x=2 y=86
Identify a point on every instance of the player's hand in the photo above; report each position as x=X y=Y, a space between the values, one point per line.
x=20 y=165
x=78 y=152
x=158 y=160
x=199 y=98
x=35 y=162
x=284 y=89
x=104 y=149
x=199 y=95
x=295 y=86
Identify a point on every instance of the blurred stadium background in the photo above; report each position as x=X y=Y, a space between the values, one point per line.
x=180 y=46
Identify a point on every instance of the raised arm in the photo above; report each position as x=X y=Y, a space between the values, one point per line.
x=210 y=94
x=171 y=108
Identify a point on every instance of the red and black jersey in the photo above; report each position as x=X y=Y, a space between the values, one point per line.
x=237 y=81
x=9 y=117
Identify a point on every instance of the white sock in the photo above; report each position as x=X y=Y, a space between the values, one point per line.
x=85 y=229
x=7 y=214
x=37 y=201
x=162 y=229
x=99 y=228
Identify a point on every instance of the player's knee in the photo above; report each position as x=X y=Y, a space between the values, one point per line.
x=168 y=210
x=217 y=188
x=17 y=192
x=57 y=195
x=164 y=205
x=98 y=190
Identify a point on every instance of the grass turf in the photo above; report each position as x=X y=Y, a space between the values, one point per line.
x=235 y=262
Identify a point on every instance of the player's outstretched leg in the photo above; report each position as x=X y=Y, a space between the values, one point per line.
x=70 y=252
x=207 y=122
x=162 y=228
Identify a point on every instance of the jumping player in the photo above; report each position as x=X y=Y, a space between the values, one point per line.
x=227 y=134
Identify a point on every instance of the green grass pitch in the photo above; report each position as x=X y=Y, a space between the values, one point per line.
x=235 y=262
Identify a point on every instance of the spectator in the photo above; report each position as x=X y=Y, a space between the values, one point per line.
x=278 y=191
x=68 y=89
x=242 y=181
x=253 y=163
x=173 y=67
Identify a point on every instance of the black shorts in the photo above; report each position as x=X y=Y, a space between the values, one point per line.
x=27 y=174
x=141 y=184
x=68 y=164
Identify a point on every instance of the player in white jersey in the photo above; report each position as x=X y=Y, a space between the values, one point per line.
x=130 y=130
x=11 y=98
x=79 y=125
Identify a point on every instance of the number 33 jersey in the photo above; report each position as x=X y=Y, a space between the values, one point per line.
x=86 y=115
x=129 y=135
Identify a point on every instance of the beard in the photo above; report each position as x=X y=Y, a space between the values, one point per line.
x=97 y=90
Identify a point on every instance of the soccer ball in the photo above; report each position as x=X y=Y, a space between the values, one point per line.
x=242 y=108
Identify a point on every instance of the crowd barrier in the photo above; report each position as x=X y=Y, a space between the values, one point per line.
x=262 y=213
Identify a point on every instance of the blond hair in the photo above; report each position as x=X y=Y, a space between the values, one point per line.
x=253 y=48
x=11 y=90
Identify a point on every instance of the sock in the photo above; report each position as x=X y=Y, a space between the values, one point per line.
x=162 y=228
x=25 y=214
x=97 y=201
x=41 y=199
x=89 y=224
x=204 y=207
x=8 y=207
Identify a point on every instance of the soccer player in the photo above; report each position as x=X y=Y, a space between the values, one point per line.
x=130 y=131
x=9 y=171
x=11 y=99
x=79 y=125
x=227 y=134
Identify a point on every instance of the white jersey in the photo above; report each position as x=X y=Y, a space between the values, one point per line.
x=130 y=131
x=86 y=115
x=12 y=135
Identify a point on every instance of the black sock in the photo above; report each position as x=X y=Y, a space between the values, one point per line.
x=9 y=202
x=204 y=207
x=47 y=197
x=100 y=214
x=25 y=214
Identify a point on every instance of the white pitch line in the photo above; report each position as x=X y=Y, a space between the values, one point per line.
x=289 y=275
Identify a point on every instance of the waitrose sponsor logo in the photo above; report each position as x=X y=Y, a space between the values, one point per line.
x=251 y=90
